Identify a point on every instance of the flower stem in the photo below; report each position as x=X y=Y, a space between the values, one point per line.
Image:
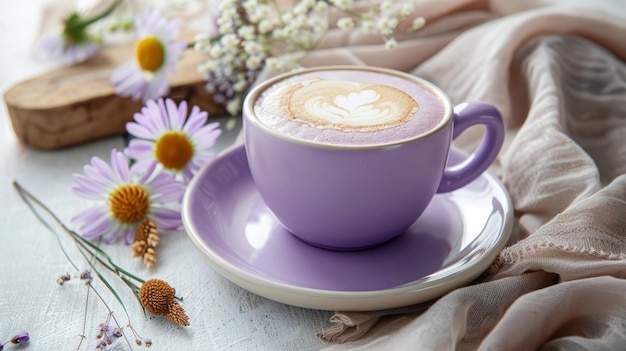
x=90 y=252
x=84 y=246
x=28 y=197
x=82 y=334
x=106 y=283
x=114 y=267
x=81 y=23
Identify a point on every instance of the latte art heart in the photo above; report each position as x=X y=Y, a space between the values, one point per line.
x=342 y=105
x=355 y=109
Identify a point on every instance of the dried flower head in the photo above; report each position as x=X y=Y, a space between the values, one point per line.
x=157 y=296
x=146 y=240
x=149 y=257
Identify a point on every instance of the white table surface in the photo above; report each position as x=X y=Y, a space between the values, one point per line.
x=223 y=316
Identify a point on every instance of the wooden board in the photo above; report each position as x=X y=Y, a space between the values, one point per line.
x=77 y=104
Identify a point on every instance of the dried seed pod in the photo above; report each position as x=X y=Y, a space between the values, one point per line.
x=146 y=239
x=157 y=296
x=177 y=315
x=153 y=234
x=138 y=248
x=141 y=233
x=149 y=257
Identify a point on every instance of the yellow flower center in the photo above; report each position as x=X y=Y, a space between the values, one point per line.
x=173 y=150
x=129 y=203
x=150 y=54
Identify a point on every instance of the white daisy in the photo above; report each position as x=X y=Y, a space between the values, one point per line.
x=128 y=196
x=60 y=48
x=156 y=54
x=164 y=133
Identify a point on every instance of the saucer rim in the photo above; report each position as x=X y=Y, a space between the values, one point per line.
x=410 y=293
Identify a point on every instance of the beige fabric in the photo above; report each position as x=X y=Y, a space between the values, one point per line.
x=557 y=74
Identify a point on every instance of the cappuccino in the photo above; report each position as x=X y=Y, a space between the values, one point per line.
x=350 y=107
x=348 y=157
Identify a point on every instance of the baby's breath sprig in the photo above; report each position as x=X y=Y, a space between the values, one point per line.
x=250 y=35
x=108 y=333
x=95 y=255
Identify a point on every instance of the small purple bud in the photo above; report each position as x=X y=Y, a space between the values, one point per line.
x=20 y=338
x=85 y=275
x=117 y=333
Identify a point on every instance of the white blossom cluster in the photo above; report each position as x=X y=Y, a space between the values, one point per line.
x=252 y=34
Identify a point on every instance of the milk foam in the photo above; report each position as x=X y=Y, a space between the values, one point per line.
x=342 y=105
x=349 y=107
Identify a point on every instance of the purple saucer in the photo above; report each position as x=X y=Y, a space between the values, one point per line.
x=452 y=243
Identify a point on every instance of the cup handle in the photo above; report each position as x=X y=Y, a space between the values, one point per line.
x=466 y=115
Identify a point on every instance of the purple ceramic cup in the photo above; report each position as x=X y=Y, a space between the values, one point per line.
x=357 y=196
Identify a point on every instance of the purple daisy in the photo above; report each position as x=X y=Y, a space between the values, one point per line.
x=57 y=47
x=128 y=196
x=156 y=54
x=164 y=133
x=73 y=43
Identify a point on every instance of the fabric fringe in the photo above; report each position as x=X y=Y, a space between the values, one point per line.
x=343 y=329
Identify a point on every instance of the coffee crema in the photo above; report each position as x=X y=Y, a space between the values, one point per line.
x=349 y=107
